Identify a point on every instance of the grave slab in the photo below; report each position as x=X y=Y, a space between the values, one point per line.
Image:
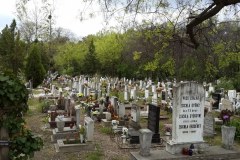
x=60 y=146
x=212 y=153
x=67 y=132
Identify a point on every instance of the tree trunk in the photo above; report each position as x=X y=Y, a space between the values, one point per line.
x=4 y=149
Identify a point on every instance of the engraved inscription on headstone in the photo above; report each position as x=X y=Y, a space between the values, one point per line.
x=188 y=113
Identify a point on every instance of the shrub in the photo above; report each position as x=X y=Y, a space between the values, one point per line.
x=236 y=123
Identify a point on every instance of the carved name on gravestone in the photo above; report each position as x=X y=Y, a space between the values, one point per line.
x=188 y=113
x=208 y=129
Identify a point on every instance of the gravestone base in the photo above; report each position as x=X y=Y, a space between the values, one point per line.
x=156 y=138
x=67 y=120
x=67 y=132
x=106 y=123
x=213 y=153
x=134 y=136
x=176 y=148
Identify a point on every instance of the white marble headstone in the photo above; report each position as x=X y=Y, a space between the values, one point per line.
x=232 y=94
x=146 y=93
x=188 y=112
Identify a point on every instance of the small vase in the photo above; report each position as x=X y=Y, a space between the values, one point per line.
x=228 y=134
x=190 y=152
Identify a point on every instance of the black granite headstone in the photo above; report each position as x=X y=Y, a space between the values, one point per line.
x=217 y=98
x=153 y=122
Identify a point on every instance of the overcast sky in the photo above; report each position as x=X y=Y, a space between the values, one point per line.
x=67 y=16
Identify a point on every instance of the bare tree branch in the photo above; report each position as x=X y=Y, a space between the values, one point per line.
x=209 y=12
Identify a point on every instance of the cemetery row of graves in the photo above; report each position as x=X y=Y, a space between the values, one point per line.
x=122 y=105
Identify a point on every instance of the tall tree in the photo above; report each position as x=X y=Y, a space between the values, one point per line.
x=11 y=49
x=90 y=63
x=34 y=67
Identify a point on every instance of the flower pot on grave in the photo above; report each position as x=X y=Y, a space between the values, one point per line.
x=60 y=125
x=228 y=134
x=81 y=138
x=53 y=115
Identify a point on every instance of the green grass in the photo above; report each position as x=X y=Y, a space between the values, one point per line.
x=33 y=101
x=95 y=155
x=143 y=120
x=37 y=91
x=214 y=141
x=106 y=130
x=34 y=106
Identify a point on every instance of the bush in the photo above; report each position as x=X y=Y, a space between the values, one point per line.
x=13 y=102
x=236 y=123
x=45 y=105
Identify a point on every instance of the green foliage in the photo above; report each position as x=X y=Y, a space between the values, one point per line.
x=225 y=83
x=236 y=123
x=236 y=82
x=44 y=105
x=210 y=70
x=136 y=55
x=69 y=58
x=13 y=124
x=109 y=50
x=96 y=155
x=169 y=67
x=82 y=130
x=90 y=63
x=13 y=103
x=13 y=94
x=34 y=68
x=106 y=130
x=190 y=69
x=23 y=146
x=228 y=58
x=11 y=49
